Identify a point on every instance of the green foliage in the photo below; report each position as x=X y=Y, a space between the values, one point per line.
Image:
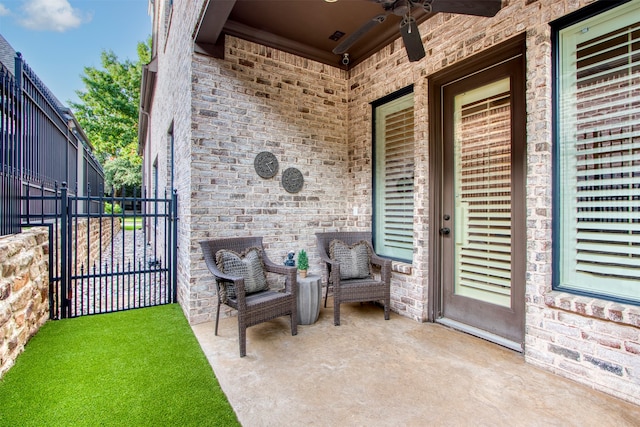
x=108 y=113
x=134 y=368
x=303 y=260
x=123 y=171
x=110 y=209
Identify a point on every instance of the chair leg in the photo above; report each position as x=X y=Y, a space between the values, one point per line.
x=217 y=316
x=242 y=337
x=294 y=323
x=336 y=311
x=387 y=303
x=326 y=295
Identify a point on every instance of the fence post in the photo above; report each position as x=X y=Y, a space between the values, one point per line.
x=174 y=244
x=65 y=253
x=18 y=147
x=18 y=69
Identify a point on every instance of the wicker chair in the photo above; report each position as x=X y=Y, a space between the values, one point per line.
x=257 y=307
x=354 y=290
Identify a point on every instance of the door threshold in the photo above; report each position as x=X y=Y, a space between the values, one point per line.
x=512 y=345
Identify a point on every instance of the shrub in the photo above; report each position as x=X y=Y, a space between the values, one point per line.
x=112 y=209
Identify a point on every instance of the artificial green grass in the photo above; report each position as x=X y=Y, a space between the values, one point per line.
x=140 y=367
x=133 y=223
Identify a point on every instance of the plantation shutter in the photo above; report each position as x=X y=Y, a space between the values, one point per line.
x=483 y=193
x=394 y=179
x=600 y=155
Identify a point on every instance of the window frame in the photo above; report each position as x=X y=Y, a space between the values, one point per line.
x=376 y=238
x=588 y=12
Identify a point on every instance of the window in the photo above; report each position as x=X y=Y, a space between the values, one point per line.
x=597 y=154
x=393 y=176
x=155 y=178
x=168 y=14
x=171 y=158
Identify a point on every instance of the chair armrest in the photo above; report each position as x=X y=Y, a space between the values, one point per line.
x=223 y=277
x=325 y=258
x=238 y=283
x=380 y=261
x=331 y=263
x=333 y=266
x=290 y=274
x=272 y=267
x=385 y=267
x=375 y=259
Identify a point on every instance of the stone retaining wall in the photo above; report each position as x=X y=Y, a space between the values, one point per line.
x=24 y=288
x=87 y=245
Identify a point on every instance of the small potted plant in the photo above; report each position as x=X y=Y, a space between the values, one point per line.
x=303 y=263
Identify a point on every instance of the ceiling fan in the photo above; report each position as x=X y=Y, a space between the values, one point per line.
x=408 y=25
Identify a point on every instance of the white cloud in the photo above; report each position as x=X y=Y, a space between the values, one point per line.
x=51 y=15
x=3 y=10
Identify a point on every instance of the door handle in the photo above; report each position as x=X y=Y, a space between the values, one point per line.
x=445 y=230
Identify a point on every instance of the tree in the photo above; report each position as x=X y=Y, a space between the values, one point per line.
x=108 y=113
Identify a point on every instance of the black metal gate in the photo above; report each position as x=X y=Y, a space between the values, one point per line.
x=106 y=253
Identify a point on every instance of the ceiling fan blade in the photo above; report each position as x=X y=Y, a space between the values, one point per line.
x=355 y=36
x=412 y=40
x=486 y=8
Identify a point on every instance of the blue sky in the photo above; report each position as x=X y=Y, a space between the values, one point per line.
x=58 y=38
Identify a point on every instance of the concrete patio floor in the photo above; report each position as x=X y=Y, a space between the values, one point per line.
x=372 y=372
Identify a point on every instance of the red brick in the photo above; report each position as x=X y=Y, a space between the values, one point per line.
x=632 y=347
x=603 y=340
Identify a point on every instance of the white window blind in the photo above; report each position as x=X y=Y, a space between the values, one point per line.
x=394 y=178
x=600 y=155
x=483 y=193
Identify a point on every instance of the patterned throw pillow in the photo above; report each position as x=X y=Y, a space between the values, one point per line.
x=354 y=259
x=248 y=264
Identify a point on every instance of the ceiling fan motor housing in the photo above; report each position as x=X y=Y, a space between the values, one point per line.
x=401 y=7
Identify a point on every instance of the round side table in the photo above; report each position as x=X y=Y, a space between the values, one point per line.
x=309 y=298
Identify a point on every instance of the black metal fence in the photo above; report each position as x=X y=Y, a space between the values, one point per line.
x=10 y=179
x=41 y=145
x=104 y=258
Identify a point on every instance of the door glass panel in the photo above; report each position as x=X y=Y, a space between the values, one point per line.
x=482 y=193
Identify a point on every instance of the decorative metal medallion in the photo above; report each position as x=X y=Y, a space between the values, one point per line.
x=292 y=180
x=266 y=164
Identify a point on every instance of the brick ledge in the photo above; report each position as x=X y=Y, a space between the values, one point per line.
x=593 y=307
x=401 y=267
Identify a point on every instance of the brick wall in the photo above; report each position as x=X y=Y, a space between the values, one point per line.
x=174 y=82
x=24 y=291
x=588 y=340
x=264 y=100
x=318 y=119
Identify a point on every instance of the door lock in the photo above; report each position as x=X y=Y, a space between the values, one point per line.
x=445 y=230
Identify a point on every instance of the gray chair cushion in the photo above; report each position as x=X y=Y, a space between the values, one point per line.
x=248 y=265
x=354 y=260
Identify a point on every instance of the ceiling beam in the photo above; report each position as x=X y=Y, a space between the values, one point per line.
x=213 y=20
x=255 y=35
